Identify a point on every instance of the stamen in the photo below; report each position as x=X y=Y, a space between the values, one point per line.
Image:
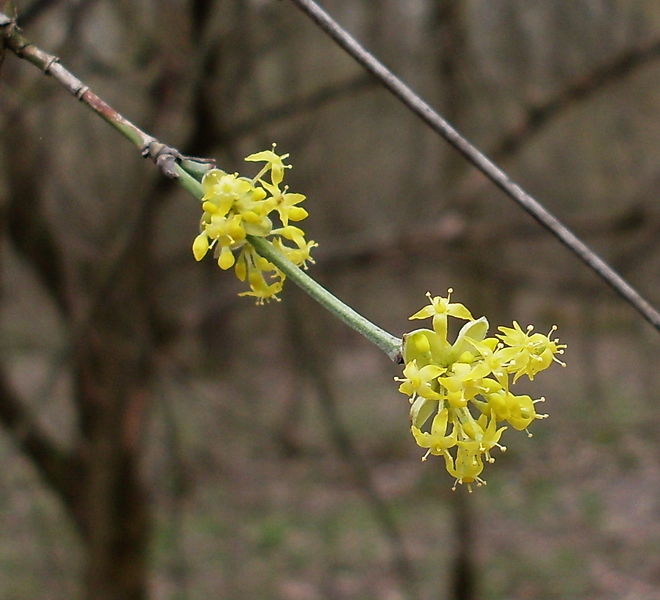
x=559 y=362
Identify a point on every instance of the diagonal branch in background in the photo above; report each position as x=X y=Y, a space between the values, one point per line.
x=292 y=107
x=438 y=124
x=59 y=468
x=538 y=115
x=173 y=164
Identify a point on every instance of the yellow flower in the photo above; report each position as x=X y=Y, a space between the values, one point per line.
x=274 y=163
x=285 y=203
x=234 y=207
x=437 y=441
x=419 y=382
x=461 y=384
x=299 y=256
x=287 y=209
x=468 y=465
x=200 y=246
x=226 y=258
x=528 y=353
x=521 y=411
x=439 y=309
x=491 y=436
x=262 y=290
x=222 y=190
x=465 y=384
x=490 y=360
x=227 y=231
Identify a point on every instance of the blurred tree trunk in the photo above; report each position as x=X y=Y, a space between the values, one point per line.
x=98 y=475
x=110 y=319
x=112 y=373
x=450 y=27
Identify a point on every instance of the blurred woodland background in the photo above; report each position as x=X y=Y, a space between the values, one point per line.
x=165 y=439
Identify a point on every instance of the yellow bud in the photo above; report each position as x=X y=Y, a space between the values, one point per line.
x=297 y=213
x=241 y=270
x=422 y=344
x=209 y=207
x=200 y=246
x=226 y=259
x=251 y=217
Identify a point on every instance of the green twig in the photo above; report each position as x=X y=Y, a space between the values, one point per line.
x=188 y=182
x=388 y=343
x=187 y=171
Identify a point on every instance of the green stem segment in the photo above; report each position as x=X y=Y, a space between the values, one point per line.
x=195 y=168
x=188 y=182
x=187 y=176
x=388 y=343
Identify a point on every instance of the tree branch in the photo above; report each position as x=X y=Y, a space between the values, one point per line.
x=57 y=467
x=164 y=156
x=312 y=101
x=168 y=159
x=537 y=116
x=496 y=175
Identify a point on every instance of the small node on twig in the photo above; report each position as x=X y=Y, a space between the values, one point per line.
x=51 y=61
x=82 y=90
x=165 y=157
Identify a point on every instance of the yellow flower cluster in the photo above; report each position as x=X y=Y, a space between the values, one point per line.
x=236 y=207
x=460 y=392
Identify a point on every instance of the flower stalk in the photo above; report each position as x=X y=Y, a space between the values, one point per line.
x=188 y=182
x=237 y=225
x=387 y=342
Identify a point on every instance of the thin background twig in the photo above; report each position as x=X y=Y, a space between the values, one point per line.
x=438 y=124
